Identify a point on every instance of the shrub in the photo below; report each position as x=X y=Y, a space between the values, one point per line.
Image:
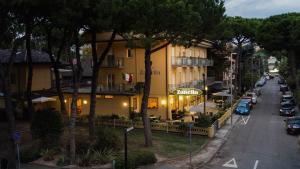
x=103 y=156
x=107 y=138
x=85 y=159
x=29 y=154
x=136 y=159
x=47 y=126
x=63 y=161
x=203 y=121
x=217 y=116
x=48 y=154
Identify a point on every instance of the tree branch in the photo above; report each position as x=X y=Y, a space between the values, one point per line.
x=160 y=47
x=104 y=53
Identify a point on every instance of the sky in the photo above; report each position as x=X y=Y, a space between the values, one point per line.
x=260 y=8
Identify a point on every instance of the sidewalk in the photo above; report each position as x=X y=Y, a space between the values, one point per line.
x=204 y=156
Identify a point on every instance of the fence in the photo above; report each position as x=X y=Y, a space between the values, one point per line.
x=159 y=127
x=222 y=120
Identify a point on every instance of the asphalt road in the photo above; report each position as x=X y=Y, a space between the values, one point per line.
x=259 y=141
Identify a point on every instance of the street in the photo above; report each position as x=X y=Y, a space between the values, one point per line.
x=259 y=141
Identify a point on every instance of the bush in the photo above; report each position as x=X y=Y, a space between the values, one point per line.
x=103 y=156
x=136 y=159
x=29 y=154
x=47 y=126
x=217 y=116
x=107 y=138
x=63 y=161
x=48 y=154
x=203 y=121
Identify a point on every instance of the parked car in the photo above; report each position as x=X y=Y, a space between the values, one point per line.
x=281 y=81
x=243 y=108
x=293 y=125
x=287 y=109
x=247 y=100
x=257 y=91
x=253 y=97
x=288 y=98
x=284 y=88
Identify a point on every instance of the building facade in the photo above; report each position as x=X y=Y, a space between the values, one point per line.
x=121 y=79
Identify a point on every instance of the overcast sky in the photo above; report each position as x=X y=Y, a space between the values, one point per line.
x=260 y=8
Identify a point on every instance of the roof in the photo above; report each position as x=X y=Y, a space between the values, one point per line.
x=87 y=90
x=21 y=57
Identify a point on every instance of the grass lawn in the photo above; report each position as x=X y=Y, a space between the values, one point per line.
x=166 y=145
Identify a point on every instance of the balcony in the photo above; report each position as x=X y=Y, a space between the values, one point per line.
x=113 y=63
x=194 y=84
x=116 y=88
x=191 y=62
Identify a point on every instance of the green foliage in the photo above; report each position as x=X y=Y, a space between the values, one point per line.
x=136 y=159
x=29 y=154
x=103 y=156
x=286 y=29
x=107 y=138
x=85 y=159
x=203 y=120
x=47 y=126
x=217 y=116
x=48 y=154
x=63 y=161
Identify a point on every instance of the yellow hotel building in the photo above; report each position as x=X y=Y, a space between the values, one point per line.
x=122 y=74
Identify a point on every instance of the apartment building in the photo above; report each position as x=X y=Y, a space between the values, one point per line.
x=121 y=79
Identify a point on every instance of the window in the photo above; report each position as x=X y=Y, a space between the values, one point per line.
x=130 y=53
x=152 y=103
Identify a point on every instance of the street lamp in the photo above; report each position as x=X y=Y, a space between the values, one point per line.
x=204 y=93
x=125 y=145
x=231 y=98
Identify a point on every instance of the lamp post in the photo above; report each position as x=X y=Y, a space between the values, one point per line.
x=125 y=145
x=231 y=98
x=204 y=93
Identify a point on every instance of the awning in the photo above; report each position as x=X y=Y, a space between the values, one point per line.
x=209 y=106
x=43 y=100
x=223 y=94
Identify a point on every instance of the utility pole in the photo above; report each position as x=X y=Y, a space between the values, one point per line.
x=204 y=93
x=231 y=98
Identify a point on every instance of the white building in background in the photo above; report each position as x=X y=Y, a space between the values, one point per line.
x=272 y=63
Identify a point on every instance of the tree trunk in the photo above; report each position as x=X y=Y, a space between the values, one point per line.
x=146 y=92
x=5 y=76
x=30 y=71
x=292 y=58
x=77 y=69
x=61 y=96
x=54 y=63
x=96 y=67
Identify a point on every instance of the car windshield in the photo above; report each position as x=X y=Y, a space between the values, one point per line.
x=286 y=105
x=242 y=106
x=294 y=121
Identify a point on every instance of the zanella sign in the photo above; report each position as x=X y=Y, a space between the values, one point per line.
x=188 y=91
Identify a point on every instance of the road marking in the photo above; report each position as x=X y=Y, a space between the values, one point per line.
x=231 y=164
x=244 y=121
x=256 y=164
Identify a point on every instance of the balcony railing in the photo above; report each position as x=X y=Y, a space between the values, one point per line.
x=194 y=84
x=117 y=88
x=113 y=63
x=191 y=61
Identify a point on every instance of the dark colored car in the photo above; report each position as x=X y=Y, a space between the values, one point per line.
x=284 y=88
x=288 y=98
x=293 y=125
x=281 y=81
x=287 y=109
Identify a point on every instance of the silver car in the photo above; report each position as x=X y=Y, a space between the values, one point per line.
x=253 y=96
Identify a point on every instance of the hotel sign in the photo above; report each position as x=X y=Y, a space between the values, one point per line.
x=188 y=91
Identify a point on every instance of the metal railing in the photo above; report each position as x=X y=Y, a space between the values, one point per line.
x=117 y=88
x=191 y=61
x=113 y=63
x=194 y=84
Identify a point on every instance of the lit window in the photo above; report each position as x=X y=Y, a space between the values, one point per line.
x=152 y=103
